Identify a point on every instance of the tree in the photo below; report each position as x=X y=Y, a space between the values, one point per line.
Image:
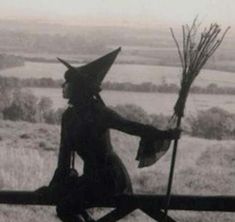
x=214 y=123
x=133 y=112
x=44 y=106
x=53 y=117
x=23 y=107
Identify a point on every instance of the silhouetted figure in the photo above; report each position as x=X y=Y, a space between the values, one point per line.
x=85 y=130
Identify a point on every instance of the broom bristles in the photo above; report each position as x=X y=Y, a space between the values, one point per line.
x=195 y=52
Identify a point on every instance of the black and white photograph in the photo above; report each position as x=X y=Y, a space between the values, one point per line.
x=117 y=110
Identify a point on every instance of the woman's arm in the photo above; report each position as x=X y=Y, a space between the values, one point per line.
x=115 y=121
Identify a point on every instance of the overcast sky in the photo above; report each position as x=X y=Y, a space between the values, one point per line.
x=120 y=12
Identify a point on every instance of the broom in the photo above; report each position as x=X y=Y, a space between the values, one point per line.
x=194 y=53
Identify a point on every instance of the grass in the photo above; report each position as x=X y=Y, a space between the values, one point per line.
x=29 y=154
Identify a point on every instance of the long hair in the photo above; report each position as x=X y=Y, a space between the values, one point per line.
x=81 y=90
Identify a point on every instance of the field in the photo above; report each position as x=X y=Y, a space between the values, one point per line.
x=133 y=73
x=152 y=103
x=29 y=151
x=28 y=159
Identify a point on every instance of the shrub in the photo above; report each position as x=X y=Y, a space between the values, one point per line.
x=45 y=105
x=23 y=107
x=53 y=117
x=25 y=136
x=214 y=123
x=5 y=98
x=159 y=121
x=133 y=112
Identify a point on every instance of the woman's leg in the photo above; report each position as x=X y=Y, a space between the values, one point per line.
x=70 y=207
x=67 y=212
x=67 y=216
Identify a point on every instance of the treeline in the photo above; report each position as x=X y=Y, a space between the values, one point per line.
x=30 y=82
x=167 y=88
x=124 y=86
x=9 y=61
x=143 y=87
x=214 y=123
x=19 y=105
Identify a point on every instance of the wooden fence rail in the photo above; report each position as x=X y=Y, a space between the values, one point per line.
x=141 y=201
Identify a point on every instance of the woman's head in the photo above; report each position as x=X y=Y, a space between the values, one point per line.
x=77 y=87
x=83 y=82
x=66 y=90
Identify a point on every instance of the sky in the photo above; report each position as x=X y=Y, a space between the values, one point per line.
x=120 y=12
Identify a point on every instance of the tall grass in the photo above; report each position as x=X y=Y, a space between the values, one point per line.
x=29 y=154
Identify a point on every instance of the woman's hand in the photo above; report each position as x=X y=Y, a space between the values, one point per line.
x=174 y=133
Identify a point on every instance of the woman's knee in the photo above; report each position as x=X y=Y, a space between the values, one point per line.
x=68 y=207
x=61 y=211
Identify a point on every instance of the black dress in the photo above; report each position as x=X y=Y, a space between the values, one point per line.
x=86 y=131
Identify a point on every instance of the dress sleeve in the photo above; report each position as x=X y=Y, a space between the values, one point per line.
x=116 y=121
x=154 y=143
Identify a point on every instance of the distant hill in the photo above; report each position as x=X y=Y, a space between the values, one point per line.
x=80 y=43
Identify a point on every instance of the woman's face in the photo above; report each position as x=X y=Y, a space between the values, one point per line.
x=66 y=90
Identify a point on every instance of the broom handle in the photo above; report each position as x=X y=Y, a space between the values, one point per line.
x=170 y=179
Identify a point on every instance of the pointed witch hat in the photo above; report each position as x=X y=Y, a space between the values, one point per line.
x=94 y=71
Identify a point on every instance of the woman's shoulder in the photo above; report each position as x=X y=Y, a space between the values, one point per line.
x=68 y=110
x=101 y=108
x=107 y=114
x=68 y=113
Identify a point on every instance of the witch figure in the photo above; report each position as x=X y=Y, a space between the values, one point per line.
x=85 y=131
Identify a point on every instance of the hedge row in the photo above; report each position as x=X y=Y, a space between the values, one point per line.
x=18 y=104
